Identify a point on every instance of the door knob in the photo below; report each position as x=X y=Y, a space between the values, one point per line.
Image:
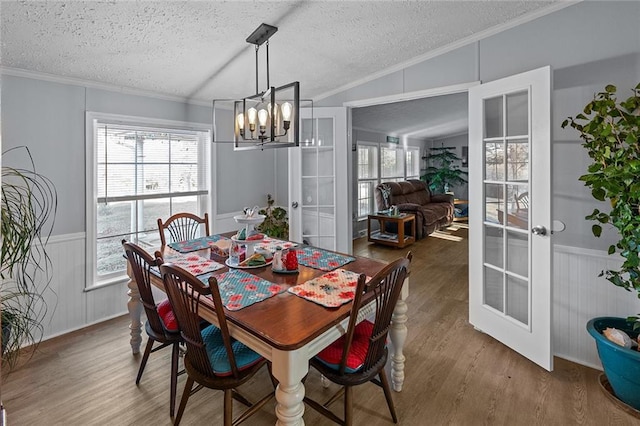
x=294 y=204
x=539 y=230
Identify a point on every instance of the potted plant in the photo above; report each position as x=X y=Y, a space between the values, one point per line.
x=29 y=204
x=610 y=131
x=275 y=223
x=442 y=174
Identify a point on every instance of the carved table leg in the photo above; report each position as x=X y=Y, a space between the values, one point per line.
x=289 y=367
x=398 y=335
x=135 y=311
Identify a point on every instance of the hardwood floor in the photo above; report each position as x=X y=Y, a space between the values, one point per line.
x=455 y=375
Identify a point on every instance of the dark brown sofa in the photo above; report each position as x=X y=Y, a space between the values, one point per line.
x=413 y=196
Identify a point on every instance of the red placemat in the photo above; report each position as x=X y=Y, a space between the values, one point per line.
x=195 y=264
x=332 y=289
x=271 y=243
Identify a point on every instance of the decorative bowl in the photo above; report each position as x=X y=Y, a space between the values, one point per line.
x=253 y=220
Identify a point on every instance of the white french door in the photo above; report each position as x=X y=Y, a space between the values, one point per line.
x=510 y=222
x=318 y=181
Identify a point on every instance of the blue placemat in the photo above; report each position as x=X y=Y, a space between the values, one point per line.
x=239 y=289
x=196 y=244
x=321 y=259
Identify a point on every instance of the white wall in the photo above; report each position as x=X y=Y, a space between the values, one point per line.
x=585 y=56
x=49 y=118
x=588 y=45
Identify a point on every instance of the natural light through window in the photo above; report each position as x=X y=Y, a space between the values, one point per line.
x=382 y=163
x=143 y=173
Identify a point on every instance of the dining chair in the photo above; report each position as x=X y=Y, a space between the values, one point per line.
x=522 y=200
x=182 y=227
x=161 y=325
x=213 y=359
x=361 y=354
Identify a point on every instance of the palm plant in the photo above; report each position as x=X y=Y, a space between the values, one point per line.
x=443 y=173
x=29 y=204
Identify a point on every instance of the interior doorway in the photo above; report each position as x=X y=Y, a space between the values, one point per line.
x=392 y=137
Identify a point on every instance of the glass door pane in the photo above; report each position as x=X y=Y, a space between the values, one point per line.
x=318 y=183
x=506 y=205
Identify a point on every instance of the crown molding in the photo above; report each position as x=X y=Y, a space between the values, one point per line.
x=37 y=75
x=452 y=46
x=409 y=96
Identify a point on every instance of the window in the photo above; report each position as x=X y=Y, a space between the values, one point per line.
x=391 y=164
x=413 y=162
x=382 y=163
x=367 y=178
x=142 y=170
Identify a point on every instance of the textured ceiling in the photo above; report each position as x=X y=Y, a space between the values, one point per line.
x=427 y=118
x=197 y=49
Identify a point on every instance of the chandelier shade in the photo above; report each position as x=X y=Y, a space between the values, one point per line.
x=269 y=118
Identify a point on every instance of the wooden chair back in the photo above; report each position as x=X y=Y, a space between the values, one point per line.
x=522 y=201
x=186 y=294
x=141 y=263
x=386 y=287
x=182 y=227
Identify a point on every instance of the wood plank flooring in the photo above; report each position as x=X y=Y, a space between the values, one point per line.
x=455 y=375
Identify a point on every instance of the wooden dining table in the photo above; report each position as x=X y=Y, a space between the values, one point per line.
x=289 y=330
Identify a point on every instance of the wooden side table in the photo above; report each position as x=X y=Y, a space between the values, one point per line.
x=398 y=240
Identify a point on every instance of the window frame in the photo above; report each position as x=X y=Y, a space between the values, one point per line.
x=407 y=150
x=396 y=148
x=379 y=179
x=92 y=120
x=374 y=181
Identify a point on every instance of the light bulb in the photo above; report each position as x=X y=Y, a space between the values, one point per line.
x=263 y=115
x=240 y=121
x=252 y=113
x=286 y=109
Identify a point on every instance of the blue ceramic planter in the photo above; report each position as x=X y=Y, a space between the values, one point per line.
x=621 y=365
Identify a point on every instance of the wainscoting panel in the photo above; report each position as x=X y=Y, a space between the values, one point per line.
x=65 y=297
x=579 y=295
x=225 y=223
x=69 y=307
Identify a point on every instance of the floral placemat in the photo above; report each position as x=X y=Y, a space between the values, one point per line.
x=322 y=259
x=196 y=244
x=332 y=289
x=272 y=243
x=196 y=265
x=239 y=289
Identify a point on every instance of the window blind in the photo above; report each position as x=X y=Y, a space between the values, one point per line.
x=135 y=163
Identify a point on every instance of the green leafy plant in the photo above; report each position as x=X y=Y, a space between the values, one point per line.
x=275 y=222
x=443 y=172
x=611 y=132
x=29 y=204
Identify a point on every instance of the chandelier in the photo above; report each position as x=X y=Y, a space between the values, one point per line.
x=269 y=118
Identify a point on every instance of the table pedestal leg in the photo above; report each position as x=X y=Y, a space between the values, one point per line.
x=135 y=311
x=398 y=335
x=289 y=367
